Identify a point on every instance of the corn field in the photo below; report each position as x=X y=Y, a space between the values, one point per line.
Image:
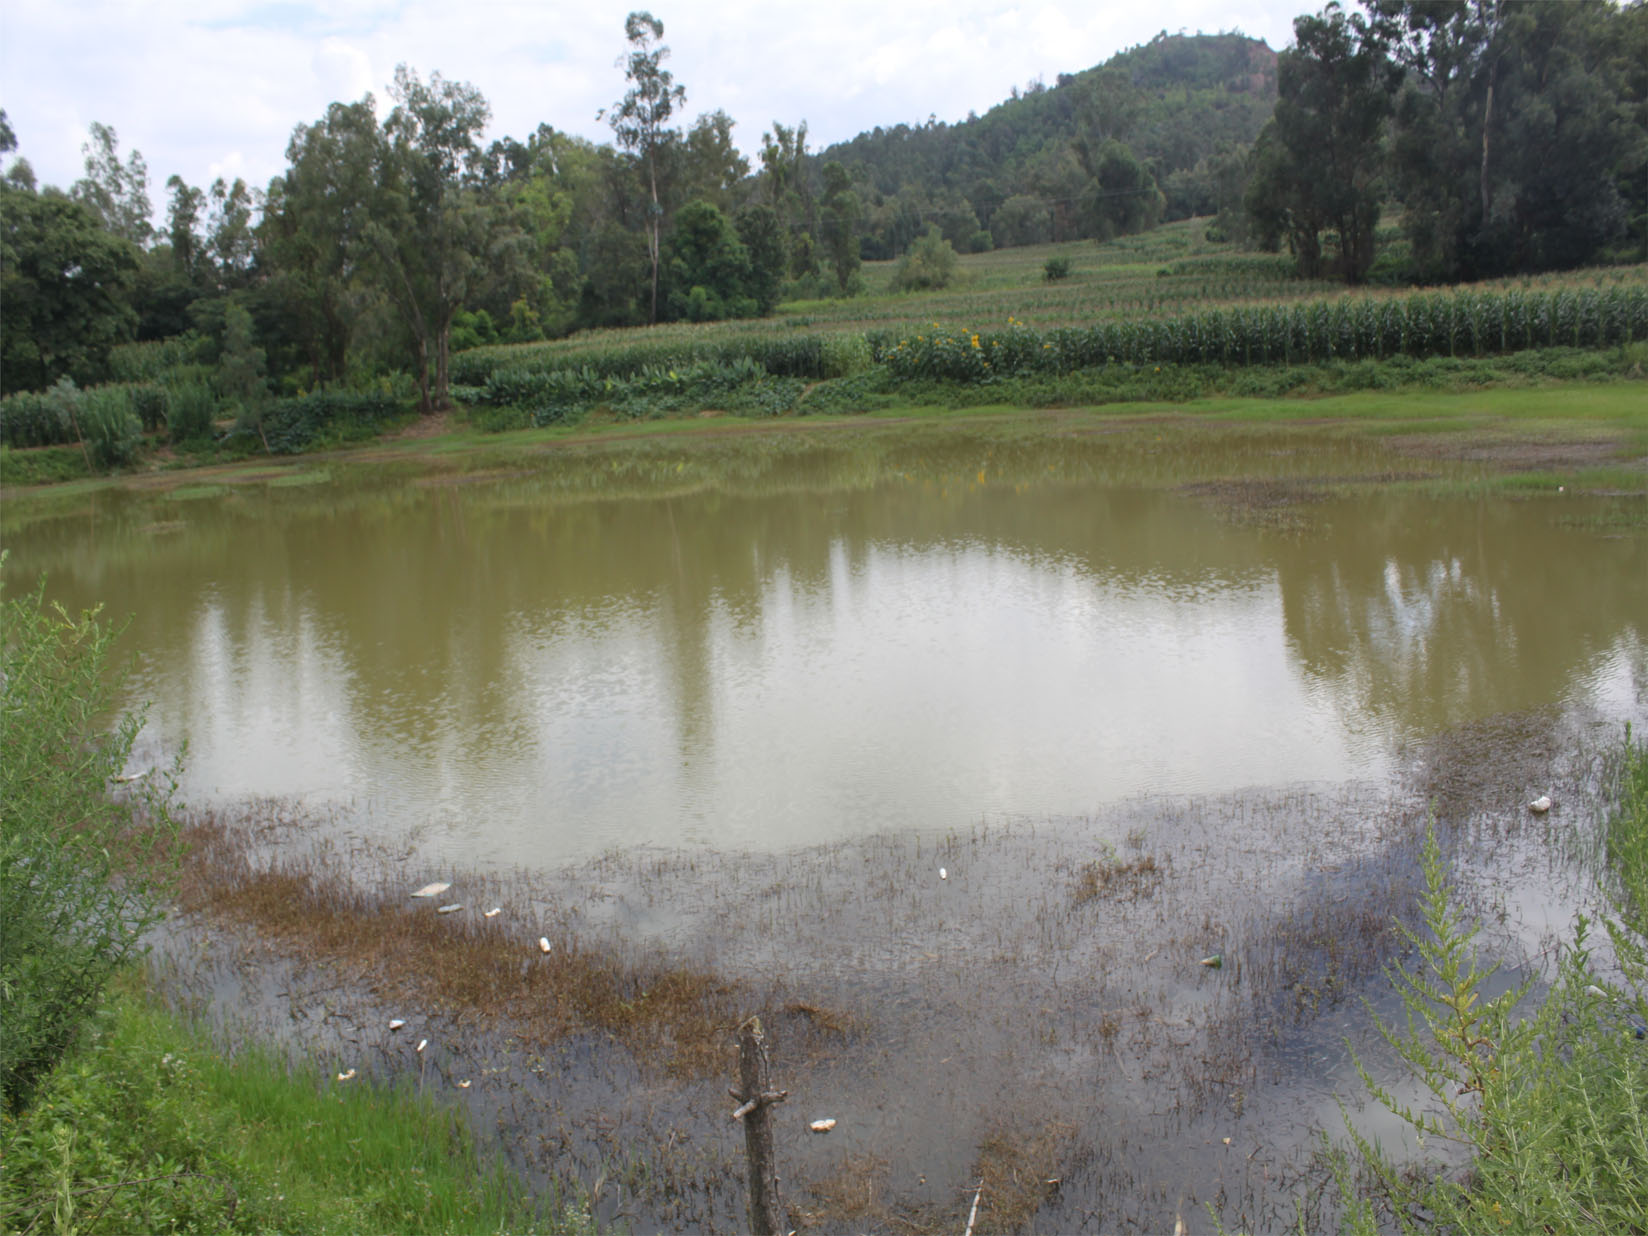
x=1466 y=322
x=1458 y=323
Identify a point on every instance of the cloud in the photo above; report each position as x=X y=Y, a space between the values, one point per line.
x=204 y=86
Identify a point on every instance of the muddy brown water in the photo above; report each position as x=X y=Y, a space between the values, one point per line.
x=744 y=701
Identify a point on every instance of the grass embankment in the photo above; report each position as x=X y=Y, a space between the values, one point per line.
x=147 y=1128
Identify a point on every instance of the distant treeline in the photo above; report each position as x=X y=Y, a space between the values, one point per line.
x=1512 y=136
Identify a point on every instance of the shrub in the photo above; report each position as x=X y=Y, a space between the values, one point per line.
x=151 y=402
x=35 y=418
x=846 y=354
x=930 y=263
x=292 y=425
x=1055 y=269
x=79 y=884
x=192 y=409
x=1551 y=1106
x=110 y=427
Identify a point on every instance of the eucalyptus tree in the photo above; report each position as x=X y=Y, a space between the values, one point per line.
x=118 y=192
x=640 y=120
x=230 y=232
x=436 y=234
x=840 y=224
x=1319 y=162
x=1519 y=139
x=183 y=224
x=312 y=237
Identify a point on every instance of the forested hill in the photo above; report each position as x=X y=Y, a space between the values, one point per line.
x=1078 y=158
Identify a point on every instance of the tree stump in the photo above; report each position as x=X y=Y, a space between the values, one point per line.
x=755 y=1097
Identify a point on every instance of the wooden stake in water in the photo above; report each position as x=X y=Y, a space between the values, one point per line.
x=755 y=1097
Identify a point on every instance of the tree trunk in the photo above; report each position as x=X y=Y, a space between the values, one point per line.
x=443 y=368
x=1487 y=126
x=422 y=352
x=652 y=246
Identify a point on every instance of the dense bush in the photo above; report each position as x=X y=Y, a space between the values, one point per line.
x=156 y=360
x=79 y=884
x=37 y=418
x=292 y=425
x=191 y=410
x=109 y=425
x=930 y=263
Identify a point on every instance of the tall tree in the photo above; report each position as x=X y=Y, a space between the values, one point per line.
x=312 y=237
x=640 y=119
x=183 y=224
x=713 y=168
x=1319 y=161
x=436 y=232
x=840 y=224
x=709 y=266
x=65 y=289
x=229 y=232
x=1519 y=137
x=118 y=192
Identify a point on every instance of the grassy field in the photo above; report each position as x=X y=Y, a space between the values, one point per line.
x=1172 y=270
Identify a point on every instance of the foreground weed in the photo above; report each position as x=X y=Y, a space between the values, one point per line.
x=1542 y=1115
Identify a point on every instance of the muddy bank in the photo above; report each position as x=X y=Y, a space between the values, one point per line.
x=1023 y=1002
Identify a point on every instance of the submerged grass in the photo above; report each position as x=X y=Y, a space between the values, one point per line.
x=673 y=1016
x=149 y=1128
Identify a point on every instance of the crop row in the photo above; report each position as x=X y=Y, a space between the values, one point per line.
x=552 y=382
x=1462 y=323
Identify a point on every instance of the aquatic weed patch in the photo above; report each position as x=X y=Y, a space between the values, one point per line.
x=671 y=1015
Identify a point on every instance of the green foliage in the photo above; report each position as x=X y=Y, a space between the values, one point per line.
x=150 y=401
x=81 y=869
x=842 y=209
x=763 y=237
x=110 y=426
x=154 y=360
x=43 y=418
x=192 y=409
x=846 y=354
x=1318 y=163
x=151 y=1130
x=42 y=465
x=1176 y=102
x=1551 y=1104
x=290 y=426
x=930 y=264
x=710 y=273
x=1518 y=141
x=507 y=373
x=1628 y=837
x=1123 y=196
x=55 y=324
x=1056 y=268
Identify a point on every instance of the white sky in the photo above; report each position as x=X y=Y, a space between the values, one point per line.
x=208 y=88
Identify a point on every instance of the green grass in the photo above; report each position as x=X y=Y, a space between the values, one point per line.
x=148 y=1128
x=42 y=465
x=1628 y=838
